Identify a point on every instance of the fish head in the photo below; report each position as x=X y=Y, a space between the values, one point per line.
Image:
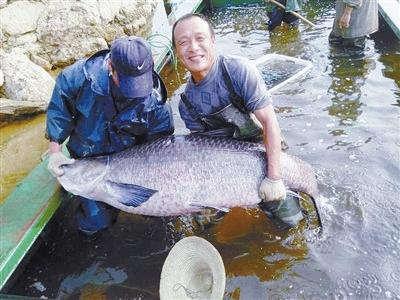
x=84 y=175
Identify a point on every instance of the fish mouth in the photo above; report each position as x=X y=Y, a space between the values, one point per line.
x=83 y=178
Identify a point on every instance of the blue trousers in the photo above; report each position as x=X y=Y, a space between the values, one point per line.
x=92 y=215
x=278 y=15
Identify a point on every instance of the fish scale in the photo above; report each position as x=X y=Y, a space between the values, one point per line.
x=178 y=175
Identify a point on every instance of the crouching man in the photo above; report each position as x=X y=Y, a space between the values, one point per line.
x=105 y=104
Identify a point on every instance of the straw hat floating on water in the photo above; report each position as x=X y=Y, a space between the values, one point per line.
x=193 y=269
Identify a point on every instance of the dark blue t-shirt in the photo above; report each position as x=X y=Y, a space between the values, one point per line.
x=212 y=94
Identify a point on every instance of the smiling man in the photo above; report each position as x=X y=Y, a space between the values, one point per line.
x=220 y=97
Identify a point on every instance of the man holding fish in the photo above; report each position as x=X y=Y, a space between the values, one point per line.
x=103 y=105
x=220 y=98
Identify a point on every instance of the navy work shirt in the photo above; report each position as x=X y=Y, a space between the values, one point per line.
x=82 y=107
x=212 y=94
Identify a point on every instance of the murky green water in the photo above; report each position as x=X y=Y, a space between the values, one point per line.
x=343 y=118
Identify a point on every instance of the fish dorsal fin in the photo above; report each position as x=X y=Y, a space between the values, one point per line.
x=130 y=194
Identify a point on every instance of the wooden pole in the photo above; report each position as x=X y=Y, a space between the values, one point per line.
x=293 y=13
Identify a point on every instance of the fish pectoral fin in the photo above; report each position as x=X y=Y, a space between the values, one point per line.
x=129 y=194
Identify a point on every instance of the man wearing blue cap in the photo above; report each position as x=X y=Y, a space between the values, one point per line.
x=105 y=104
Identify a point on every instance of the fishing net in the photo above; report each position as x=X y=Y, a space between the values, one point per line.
x=278 y=70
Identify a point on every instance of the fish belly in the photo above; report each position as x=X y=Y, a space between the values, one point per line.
x=185 y=181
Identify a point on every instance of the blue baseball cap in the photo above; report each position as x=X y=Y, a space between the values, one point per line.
x=132 y=60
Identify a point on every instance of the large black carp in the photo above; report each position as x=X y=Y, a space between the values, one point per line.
x=178 y=175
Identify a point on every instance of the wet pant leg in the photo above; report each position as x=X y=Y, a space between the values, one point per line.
x=290 y=19
x=275 y=18
x=358 y=43
x=335 y=40
x=92 y=215
x=351 y=45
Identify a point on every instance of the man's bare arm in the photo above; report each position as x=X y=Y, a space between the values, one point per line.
x=272 y=140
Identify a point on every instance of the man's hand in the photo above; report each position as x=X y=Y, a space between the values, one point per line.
x=344 y=21
x=56 y=160
x=271 y=190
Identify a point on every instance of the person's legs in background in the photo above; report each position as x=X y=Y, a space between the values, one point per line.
x=291 y=20
x=275 y=18
x=335 y=40
x=349 y=46
x=356 y=44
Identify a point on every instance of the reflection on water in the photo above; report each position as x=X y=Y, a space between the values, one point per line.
x=346 y=87
x=342 y=118
x=94 y=275
x=392 y=70
x=286 y=39
x=251 y=245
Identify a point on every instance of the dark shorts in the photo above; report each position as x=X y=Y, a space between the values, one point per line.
x=277 y=16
